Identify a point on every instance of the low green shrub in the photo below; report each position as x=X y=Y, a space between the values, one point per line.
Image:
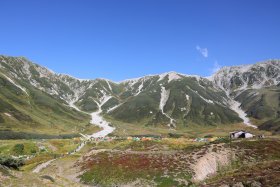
x=11 y=162
x=18 y=149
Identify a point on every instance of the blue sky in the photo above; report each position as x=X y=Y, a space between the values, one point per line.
x=120 y=39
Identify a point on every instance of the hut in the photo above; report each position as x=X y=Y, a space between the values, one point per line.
x=241 y=134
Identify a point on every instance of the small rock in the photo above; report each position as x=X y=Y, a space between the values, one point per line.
x=224 y=185
x=47 y=177
x=256 y=184
x=239 y=184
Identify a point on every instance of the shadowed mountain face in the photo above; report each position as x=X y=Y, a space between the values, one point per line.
x=169 y=99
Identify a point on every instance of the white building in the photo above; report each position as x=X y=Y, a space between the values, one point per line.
x=241 y=134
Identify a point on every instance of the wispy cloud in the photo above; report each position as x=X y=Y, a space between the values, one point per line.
x=216 y=67
x=202 y=51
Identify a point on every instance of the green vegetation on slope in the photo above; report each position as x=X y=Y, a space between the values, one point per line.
x=38 y=113
x=264 y=106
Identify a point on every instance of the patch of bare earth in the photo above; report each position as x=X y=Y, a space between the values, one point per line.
x=64 y=169
x=257 y=164
x=208 y=160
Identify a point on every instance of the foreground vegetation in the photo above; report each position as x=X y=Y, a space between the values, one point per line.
x=257 y=164
x=161 y=164
x=170 y=161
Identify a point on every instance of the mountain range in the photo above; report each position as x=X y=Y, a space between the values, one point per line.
x=34 y=99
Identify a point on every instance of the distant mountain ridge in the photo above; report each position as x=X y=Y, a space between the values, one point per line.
x=169 y=99
x=255 y=76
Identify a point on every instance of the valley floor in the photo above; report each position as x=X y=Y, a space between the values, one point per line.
x=158 y=162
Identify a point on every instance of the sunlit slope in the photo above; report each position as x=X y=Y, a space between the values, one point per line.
x=39 y=100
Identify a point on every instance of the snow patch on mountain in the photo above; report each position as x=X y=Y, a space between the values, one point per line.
x=164 y=96
x=15 y=84
x=113 y=108
x=235 y=106
x=139 y=88
x=72 y=105
x=104 y=100
x=98 y=120
x=204 y=99
x=109 y=85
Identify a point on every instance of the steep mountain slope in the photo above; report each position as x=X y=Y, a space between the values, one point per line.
x=173 y=99
x=257 y=87
x=25 y=108
x=168 y=100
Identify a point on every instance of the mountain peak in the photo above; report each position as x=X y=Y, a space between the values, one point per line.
x=254 y=76
x=171 y=76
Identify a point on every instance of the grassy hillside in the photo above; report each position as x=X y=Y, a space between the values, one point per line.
x=190 y=101
x=264 y=106
x=37 y=113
